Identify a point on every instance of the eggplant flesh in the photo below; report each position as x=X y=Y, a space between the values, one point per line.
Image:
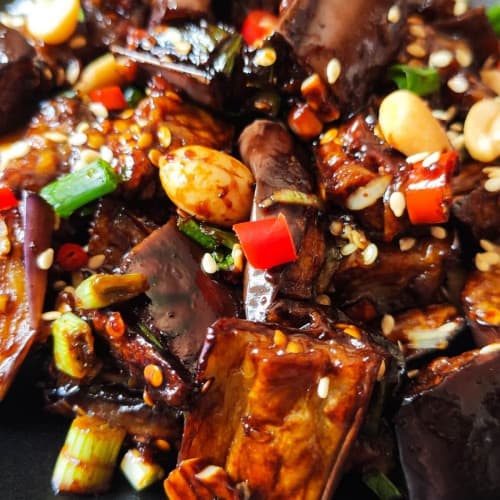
x=448 y=429
x=282 y=408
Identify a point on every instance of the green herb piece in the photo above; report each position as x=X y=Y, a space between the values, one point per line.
x=75 y=190
x=493 y=14
x=422 y=81
x=291 y=197
x=133 y=96
x=102 y=290
x=208 y=237
x=81 y=16
x=381 y=485
x=227 y=54
x=150 y=336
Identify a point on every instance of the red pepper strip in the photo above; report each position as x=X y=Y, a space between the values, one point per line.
x=428 y=192
x=71 y=257
x=7 y=198
x=258 y=24
x=266 y=242
x=111 y=98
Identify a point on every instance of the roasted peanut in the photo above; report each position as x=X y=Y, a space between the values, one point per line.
x=53 y=21
x=408 y=125
x=101 y=72
x=208 y=184
x=482 y=130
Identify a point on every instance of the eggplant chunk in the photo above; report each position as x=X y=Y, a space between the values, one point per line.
x=184 y=300
x=19 y=78
x=268 y=150
x=448 y=429
x=282 y=409
x=163 y=11
x=481 y=303
x=23 y=283
x=357 y=34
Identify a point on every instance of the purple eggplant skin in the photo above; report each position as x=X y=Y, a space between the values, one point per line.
x=448 y=430
x=38 y=223
x=270 y=153
x=357 y=33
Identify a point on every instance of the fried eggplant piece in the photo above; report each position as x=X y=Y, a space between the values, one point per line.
x=50 y=152
x=359 y=171
x=448 y=429
x=473 y=205
x=398 y=279
x=163 y=11
x=481 y=303
x=120 y=407
x=419 y=331
x=184 y=300
x=197 y=479
x=269 y=151
x=281 y=408
x=358 y=34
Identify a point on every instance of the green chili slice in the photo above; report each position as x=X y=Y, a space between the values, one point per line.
x=78 y=188
x=422 y=81
x=381 y=485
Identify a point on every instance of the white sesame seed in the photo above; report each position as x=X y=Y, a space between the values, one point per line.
x=406 y=244
x=457 y=140
x=348 y=249
x=387 y=324
x=183 y=47
x=492 y=185
x=51 y=315
x=440 y=58
x=77 y=139
x=492 y=171
x=460 y=7
x=106 y=154
x=370 y=254
x=458 y=84
x=413 y=373
x=394 y=14
x=70 y=290
x=209 y=473
x=417 y=157
x=237 y=255
x=457 y=127
x=265 y=57
x=323 y=387
x=397 y=203
x=98 y=109
x=416 y=50
x=72 y=71
x=464 y=56
x=336 y=228
x=55 y=136
x=417 y=30
x=96 y=261
x=488 y=245
x=490 y=348
x=367 y=195
x=439 y=232
x=431 y=159
x=481 y=263
x=45 y=259
x=82 y=127
x=77 y=42
x=208 y=264
x=323 y=300
x=172 y=35
x=333 y=70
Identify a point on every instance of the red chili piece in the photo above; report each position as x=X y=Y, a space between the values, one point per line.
x=111 y=98
x=258 y=25
x=71 y=257
x=7 y=198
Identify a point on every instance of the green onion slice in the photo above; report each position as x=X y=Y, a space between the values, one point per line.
x=421 y=81
x=493 y=14
x=381 y=485
x=78 y=188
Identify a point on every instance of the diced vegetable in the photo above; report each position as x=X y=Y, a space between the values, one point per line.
x=139 y=472
x=421 y=81
x=73 y=345
x=86 y=461
x=266 y=242
x=111 y=98
x=7 y=198
x=428 y=192
x=209 y=237
x=258 y=25
x=71 y=257
x=133 y=96
x=381 y=485
x=291 y=197
x=102 y=72
x=53 y=21
x=78 y=188
x=101 y=290
x=493 y=14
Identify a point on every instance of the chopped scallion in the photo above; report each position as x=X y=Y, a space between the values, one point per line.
x=86 y=461
x=73 y=345
x=208 y=237
x=139 y=472
x=133 y=96
x=421 y=81
x=291 y=197
x=381 y=485
x=493 y=14
x=101 y=290
x=78 y=188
